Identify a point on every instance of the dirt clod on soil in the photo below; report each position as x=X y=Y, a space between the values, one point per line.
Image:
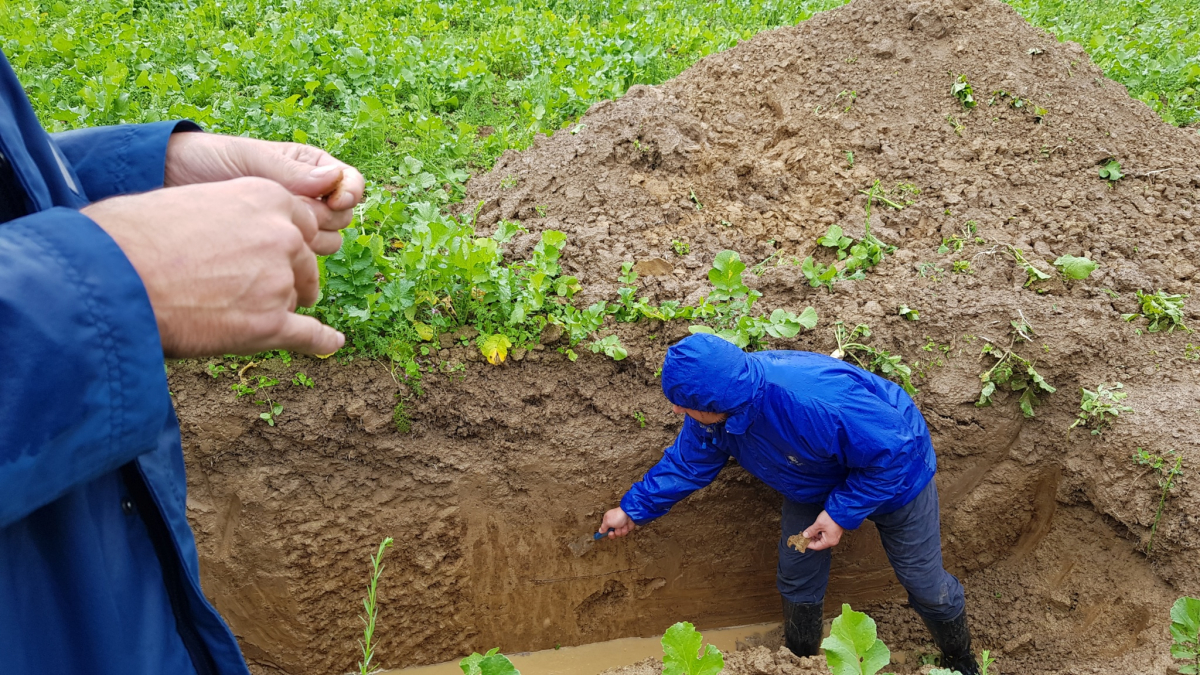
x=799 y=542
x=759 y=149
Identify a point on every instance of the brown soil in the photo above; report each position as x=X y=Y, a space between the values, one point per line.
x=505 y=467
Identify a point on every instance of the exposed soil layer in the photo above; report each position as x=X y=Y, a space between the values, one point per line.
x=505 y=467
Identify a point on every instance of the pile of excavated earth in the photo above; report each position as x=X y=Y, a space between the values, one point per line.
x=760 y=149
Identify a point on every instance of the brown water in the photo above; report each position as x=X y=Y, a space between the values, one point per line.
x=600 y=656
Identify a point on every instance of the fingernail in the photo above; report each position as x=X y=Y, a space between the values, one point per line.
x=321 y=171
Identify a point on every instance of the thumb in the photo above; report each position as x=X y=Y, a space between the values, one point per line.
x=306 y=335
x=300 y=178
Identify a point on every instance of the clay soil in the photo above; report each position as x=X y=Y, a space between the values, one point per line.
x=504 y=467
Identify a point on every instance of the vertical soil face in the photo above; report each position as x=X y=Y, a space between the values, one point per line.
x=505 y=467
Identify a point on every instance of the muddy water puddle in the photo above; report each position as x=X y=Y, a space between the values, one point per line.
x=597 y=657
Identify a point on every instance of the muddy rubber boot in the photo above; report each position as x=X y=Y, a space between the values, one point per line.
x=954 y=639
x=802 y=627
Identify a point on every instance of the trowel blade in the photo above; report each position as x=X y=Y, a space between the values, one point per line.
x=582 y=545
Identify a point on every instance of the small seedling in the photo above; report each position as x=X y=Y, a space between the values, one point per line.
x=610 y=346
x=1014 y=371
x=876 y=361
x=909 y=313
x=1072 y=267
x=1032 y=273
x=541 y=210
x=1185 y=634
x=961 y=89
x=273 y=411
x=962 y=267
x=851 y=97
x=1191 y=352
x=302 y=380
x=957 y=242
x=681 y=652
x=508 y=182
x=853 y=647
x=958 y=129
x=850 y=157
x=928 y=270
x=681 y=248
x=1111 y=171
x=1164 y=311
x=1098 y=408
x=1166 y=480
x=215 y=370
x=695 y=200
x=400 y=418
x=640 y=418
x=371 y=605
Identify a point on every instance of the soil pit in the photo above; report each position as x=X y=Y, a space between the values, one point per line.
x=750 y=150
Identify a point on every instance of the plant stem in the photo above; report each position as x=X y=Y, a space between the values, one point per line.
x=1168 y=481
x=369 y=604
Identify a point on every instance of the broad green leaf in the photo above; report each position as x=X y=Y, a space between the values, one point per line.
x=424 y=331
x=1075 y=268
x=1185 y=619
x=726 y=272
x=852 y=647
x=495 y=348
x=681 y=652
x=1112 y=171
x=808 y=318
x=492 y=663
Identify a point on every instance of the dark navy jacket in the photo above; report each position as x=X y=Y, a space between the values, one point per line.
x=816 y=429
x=98 y=567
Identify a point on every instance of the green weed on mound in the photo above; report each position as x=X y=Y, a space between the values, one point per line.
x=420 y=94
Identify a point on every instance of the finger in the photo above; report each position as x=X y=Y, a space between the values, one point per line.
x=307 y=276
x=306 y=335
x=350 y=192
x=328 y=218
x=304 y=218
x=304 y=178
x=326 y=243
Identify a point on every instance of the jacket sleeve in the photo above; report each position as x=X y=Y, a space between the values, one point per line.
x=690 y=463
x=875 y=443
x=81 y=371
x=119 y=160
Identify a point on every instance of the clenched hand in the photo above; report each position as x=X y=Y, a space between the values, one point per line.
x=225 y=265
x=618 y=521
x=824 y=533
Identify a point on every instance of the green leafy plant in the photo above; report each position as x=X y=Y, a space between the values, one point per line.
x=985 y=663
x=872 y=359
x=682 y=655
x=1111 y=171
x=491 y=663
x=400 y=418
x=962 y=90
x=1191 y=352
x=1013 y=371
x=610 y=346
x=1072 y=267
x=1098 y=408
x=1163 y=310
x=962 y=267
x=215 y=370
x=853 y=647
x=272 y=413
x=302 y=380
x=681 y=248
x=909 y=313
x=1032 y=273
x=1166 y=479
x=1185 y=634
x=640 y=418
x=955 y=243
x=727 y=310
x=854 y=258
x=371 y=609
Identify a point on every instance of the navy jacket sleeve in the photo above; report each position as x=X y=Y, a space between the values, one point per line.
x=121 y=159
x=81 y=370
x=691 y=463
x=874 y=445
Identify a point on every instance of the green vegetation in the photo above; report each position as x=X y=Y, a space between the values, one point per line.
x=1111 y=171
x=1072 y=267
x=1013 y=371
x=853 y=647
x=985 y=663
x=956 y=242
x=1191 y=352
x=1163 y=310
x=640 y=418
x=854 y=258
x=962 y=90
x=1098 y=408
x=302 y=380
x=1166 y=479
x=491 y=663
x=1150 y=47
x=1185 y=634
x=371 y=607
x=681 y=248
x=681 y=652
x=400 y=418
x=909 y=313
x=421 y=94
x=1031 y=272
x=875 y=360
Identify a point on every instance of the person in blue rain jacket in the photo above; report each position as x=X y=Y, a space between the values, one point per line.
x=119 y=246
x=840 y=444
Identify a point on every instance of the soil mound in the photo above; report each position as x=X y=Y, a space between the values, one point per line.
x=760 y=149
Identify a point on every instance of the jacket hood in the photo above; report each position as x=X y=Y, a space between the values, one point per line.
x=707 y=373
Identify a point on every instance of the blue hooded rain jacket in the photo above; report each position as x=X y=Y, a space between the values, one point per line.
x=98 y=567
x=816 y=429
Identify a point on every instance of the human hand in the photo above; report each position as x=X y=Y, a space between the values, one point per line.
x=330 y=188
x=224 y=265
x=824 y=533
x=618 y=521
